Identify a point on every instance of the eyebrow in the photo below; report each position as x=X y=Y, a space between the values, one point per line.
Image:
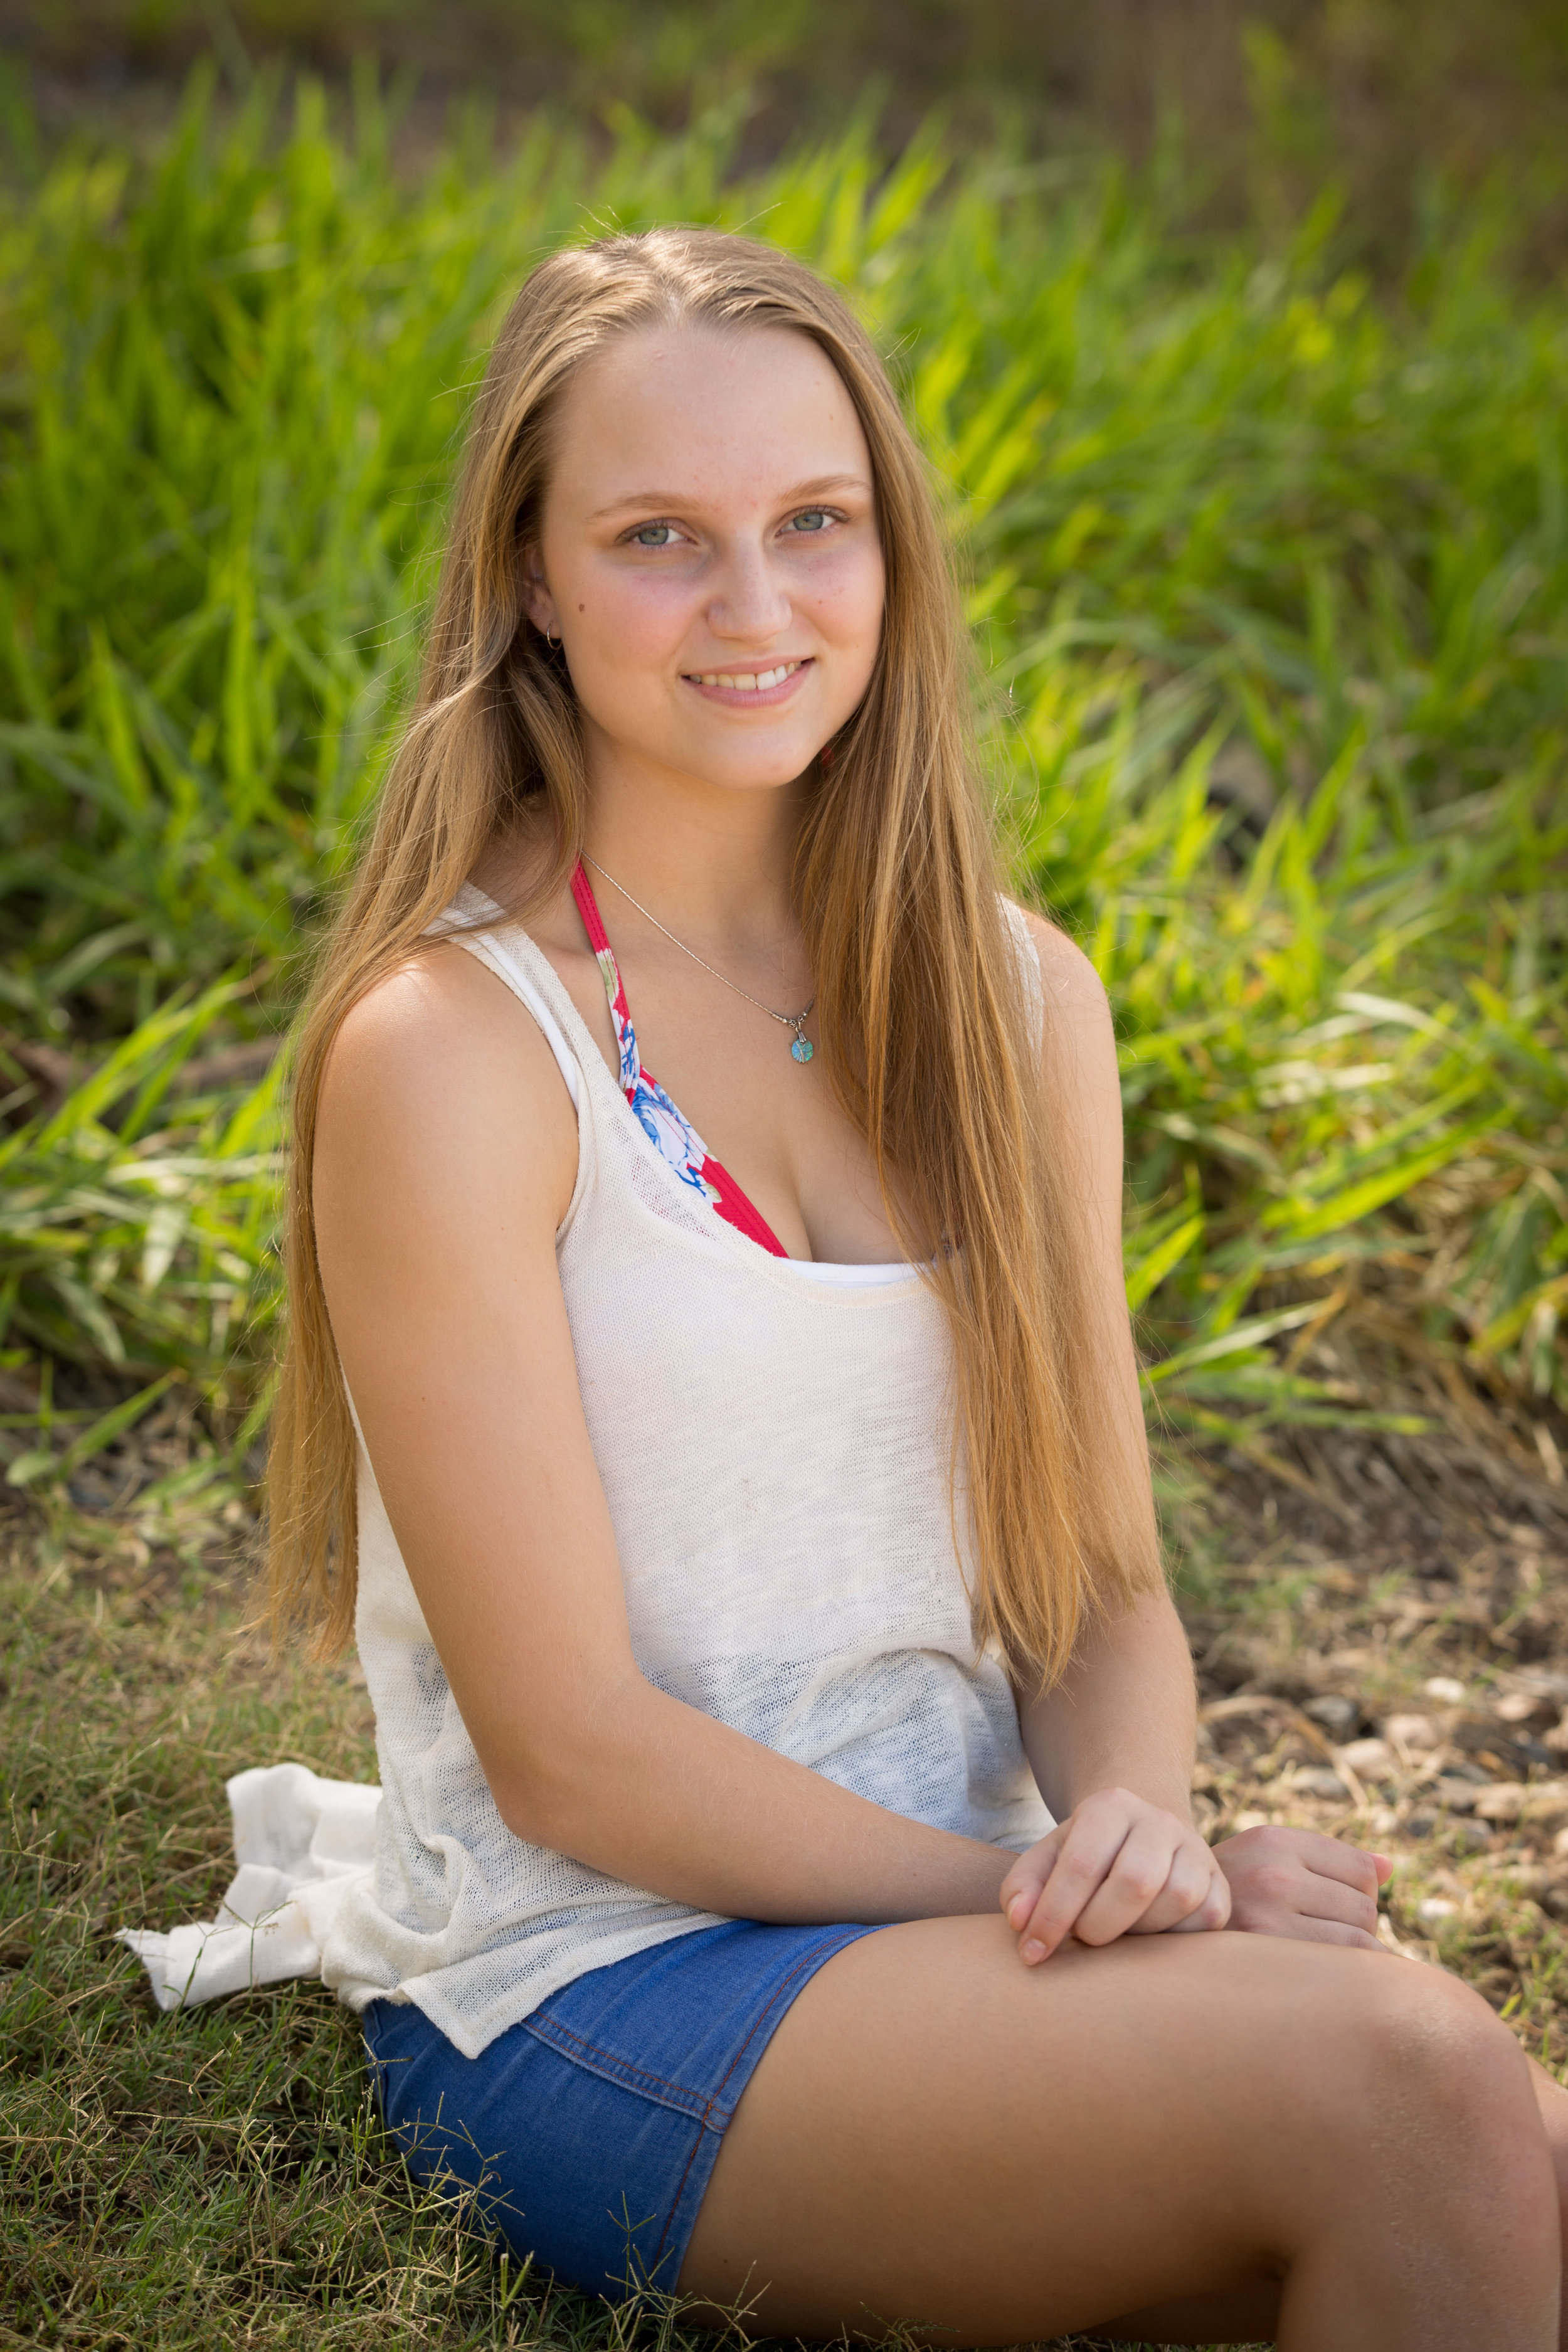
x=663 y=501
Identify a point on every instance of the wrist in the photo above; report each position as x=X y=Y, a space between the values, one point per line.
x=1169 y=1794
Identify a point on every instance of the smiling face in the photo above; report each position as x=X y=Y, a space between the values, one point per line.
x=709 y=554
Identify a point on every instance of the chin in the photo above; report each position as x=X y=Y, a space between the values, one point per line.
x=748 y=768
x=772 y=778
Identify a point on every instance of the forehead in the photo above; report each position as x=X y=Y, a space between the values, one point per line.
x=736 y=416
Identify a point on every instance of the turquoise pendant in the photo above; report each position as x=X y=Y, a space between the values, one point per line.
x=801 y=1051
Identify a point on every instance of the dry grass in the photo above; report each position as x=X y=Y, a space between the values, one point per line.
x=217 y=2179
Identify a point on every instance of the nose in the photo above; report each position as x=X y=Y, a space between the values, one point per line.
x=749 y=606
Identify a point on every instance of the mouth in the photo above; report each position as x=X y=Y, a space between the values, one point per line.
x=761 y=686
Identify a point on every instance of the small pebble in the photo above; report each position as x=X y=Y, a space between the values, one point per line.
x=1521 y=1706
x=1335 y=1714
x=1367 y=1757
x=1469 y=1837
x=1446 y=1690
x=1414 y=1731
x=1317 y=1781
x=1435 y=1907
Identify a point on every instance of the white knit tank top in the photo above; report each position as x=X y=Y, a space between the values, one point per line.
x=773 y=1439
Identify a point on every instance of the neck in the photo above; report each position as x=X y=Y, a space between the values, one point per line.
x=710 y=861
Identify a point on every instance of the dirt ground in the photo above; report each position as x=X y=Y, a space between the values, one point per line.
x=1380 y=1628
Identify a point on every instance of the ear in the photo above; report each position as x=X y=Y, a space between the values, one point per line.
x=538 y=602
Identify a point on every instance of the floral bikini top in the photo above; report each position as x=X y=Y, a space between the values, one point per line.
x=666 y=1126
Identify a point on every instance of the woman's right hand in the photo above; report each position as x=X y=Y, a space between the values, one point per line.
x=1118 y=1866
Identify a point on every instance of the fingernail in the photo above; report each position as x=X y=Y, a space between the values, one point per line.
x=1017 y=1910
x=1033 y=1952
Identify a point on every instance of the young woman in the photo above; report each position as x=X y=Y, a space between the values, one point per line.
x=755 y=1556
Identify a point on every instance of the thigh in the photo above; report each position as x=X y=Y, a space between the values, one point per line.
x=939 y=2137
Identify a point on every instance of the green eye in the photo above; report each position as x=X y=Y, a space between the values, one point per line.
x=812 y=518
x=653 y=534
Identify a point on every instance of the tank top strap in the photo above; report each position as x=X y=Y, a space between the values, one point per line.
x=471 y=922
x=1026 y=960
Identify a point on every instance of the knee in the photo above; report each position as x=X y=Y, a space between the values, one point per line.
x=1450 y=2087
x=1382 y=2045
x=1432 y=2038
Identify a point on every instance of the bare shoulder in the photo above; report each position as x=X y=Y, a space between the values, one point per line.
x=1069 y=977
x=431 y=1021
x=1075 y=997
x=436 y=1072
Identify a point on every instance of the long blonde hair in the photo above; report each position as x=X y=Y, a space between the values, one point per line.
x=924 y=1026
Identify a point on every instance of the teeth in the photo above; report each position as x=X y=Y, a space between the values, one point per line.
x=747 y=682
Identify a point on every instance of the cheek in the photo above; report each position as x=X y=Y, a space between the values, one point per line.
x=845 y=596
x=628 y=623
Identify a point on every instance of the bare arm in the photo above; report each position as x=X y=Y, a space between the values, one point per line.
x=444 y=1161
x=1111 y=1744
x=1125 y=1713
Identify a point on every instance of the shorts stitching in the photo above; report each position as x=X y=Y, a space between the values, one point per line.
x=782 y=1992
x=546 y=2029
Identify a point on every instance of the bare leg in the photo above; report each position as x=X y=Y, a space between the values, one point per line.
x=1552 y=2102
x=1243 y=2316
x=991 y=2154
x=1251 y=2315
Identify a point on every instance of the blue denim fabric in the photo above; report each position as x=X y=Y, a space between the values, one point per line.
x=589 y=2132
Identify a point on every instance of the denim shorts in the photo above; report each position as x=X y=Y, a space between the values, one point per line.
x=587 y=2134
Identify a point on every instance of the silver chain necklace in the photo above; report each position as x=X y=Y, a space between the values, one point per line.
x=801 y=1047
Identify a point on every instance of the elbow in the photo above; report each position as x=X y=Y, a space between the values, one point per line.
x=548 y=1807
x=564 y=1784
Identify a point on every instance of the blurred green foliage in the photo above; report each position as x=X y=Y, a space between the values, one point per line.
x=1270 y=572
x=1253 y=104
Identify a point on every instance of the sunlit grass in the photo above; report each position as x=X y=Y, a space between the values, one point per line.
x=1269 y=570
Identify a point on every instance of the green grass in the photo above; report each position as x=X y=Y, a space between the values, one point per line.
x=219 y=2179
x=1270 y=567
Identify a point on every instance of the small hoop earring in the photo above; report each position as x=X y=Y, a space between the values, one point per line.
x=551 y=640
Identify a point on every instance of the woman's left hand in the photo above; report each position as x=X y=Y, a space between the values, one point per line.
x=1299 y=1884
x=1118 y=1866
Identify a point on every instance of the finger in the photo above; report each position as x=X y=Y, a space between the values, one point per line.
x=1276 y=1848
x=1190 y=1889
x=1026 y=1882
x=1090 y=1846
x=1213 y=1913
x=1329 y=1898
x=1136 y=1880
x=1270 y=1897
x=1324 y=1931
x=1331 y=1858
